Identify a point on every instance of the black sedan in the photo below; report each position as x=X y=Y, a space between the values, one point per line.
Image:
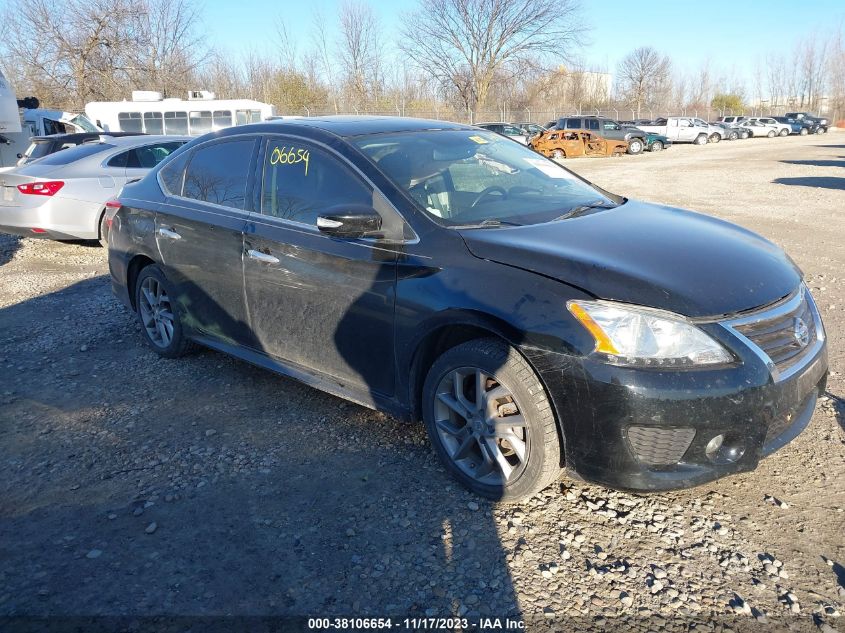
x=438 y=271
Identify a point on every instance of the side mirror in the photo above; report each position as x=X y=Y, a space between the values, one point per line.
x=350 y=221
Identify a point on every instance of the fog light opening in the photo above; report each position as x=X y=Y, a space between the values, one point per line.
x=724 y=449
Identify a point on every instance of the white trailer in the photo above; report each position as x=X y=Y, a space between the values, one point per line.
x=199 y=114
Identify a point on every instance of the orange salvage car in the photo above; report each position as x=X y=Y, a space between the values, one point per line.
x=575 y=144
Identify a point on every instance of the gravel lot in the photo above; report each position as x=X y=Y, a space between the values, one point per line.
x=131 y=485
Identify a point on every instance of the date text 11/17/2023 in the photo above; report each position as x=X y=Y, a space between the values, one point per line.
x=417 y=624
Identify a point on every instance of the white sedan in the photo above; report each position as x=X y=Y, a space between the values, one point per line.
x=758 y=128
x=63 y=196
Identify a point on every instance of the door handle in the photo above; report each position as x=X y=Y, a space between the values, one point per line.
x=262 y=257
x=169 y=233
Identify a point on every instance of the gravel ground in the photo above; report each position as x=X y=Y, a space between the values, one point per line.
x=131 y=485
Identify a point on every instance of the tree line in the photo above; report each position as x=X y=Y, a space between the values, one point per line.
x=454 y=59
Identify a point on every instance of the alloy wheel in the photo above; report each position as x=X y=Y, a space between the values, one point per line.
x=156 y=312
x=481 y=426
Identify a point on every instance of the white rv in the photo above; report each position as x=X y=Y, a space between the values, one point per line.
x=198 y=114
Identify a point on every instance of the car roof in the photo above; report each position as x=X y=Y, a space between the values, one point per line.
x=348 y=126
x=82 y=136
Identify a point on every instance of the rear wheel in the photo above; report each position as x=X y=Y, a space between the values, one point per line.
x=155 y=305
x=701 y=139
x=784 y=132
x=558 y=154
x=656 y=146
x=715 y=138
x=635 y=146
x=804 y=131
x=771 y=134
x=490 y=421
x=733 y=136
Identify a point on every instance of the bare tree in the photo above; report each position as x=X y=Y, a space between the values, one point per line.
x=358 y=49
x=643 y=75
x=465 y=43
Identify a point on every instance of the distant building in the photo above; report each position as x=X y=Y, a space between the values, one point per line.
x=574 y=87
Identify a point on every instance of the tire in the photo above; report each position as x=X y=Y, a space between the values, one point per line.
x=103 y=231
x=745 y=135
x=771 y=134
x=458 y=438
x=784 y=132
x=701 y=139
x=635 y=146
x=820 y=130
x=714 y=138
x=557 y=154
x=154 y=323
x=733 y=136
x=657 y=146
x=804 y=131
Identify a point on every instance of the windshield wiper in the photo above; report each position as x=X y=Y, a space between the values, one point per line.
x=583 y=208
x=489 y=223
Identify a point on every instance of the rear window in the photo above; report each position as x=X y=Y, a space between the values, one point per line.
x=67 y=156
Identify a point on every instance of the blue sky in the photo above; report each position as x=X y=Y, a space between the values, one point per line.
x=730 y=34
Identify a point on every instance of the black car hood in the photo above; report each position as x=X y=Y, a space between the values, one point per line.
x=649 y=255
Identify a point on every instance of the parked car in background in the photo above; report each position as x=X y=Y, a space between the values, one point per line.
x=818 y=125
x=559 y=144
x=782 y=129
x=732 y=120
x=607 y=129
x=42 y=146
x=715 y=133
x=733 y=132
x=530 y=129
x=680 y=130
x=757 y=128
x=63 y=196
x=656 y=142
x=506 y=129
x=796 y=127
x=440 y=272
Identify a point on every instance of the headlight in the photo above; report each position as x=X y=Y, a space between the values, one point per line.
x=645 y=337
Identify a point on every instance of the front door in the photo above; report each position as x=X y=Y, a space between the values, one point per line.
x=199 y=233
x=321 y=303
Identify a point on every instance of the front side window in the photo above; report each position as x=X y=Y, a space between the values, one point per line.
x=302 y=180
x=130 y=121
x=573 y=124
x=218 y=173
x=467 y=177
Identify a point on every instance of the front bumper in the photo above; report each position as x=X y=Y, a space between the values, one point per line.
x=649 y=430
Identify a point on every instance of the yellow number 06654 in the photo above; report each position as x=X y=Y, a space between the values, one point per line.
x=292 y=156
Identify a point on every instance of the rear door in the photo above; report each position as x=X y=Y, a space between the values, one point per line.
x=199 y=233
x=320 y=303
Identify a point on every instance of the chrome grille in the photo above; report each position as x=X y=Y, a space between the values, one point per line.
x=786 y=333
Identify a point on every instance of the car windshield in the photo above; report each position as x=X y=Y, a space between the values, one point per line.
x=473 y=178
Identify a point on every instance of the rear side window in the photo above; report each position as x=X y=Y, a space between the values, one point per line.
x=218 y=173
x=573 y=124
x=149 y=156
x=302 y=180
x=172 y=175
x=594 y=124
x=65 y=157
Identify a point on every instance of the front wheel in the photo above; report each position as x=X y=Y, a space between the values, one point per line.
x=804 y=131
x=784 y=132
x=821 y=130
x=635 y=146
x=771 y=134
x=490 y=421
x=701 y=139
x=156 y=309
x=733 y=136
x=715 y=138
x=558 y=154
x=656 y=146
